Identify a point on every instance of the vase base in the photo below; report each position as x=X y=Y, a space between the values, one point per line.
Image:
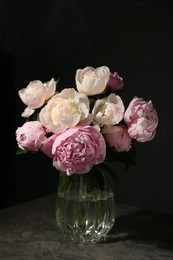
x=85 y=237
x=85 y=213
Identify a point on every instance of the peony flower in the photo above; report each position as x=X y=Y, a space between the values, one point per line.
x=30 y=136
x=77 y=149
x=117 y=137
x=141 y=119
x=92 y=81
x=65 y=109
x=108 y=111
x=76 y=127
x=115 y=82
x=35 y=95
x=46 y=145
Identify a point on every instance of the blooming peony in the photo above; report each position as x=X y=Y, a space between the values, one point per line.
x=77 y=149
x=108 y=111
x=30 y=136
x=35 y=94
x=92 y=81
x=141 y=119
x=117 y=137
x=81 y=127
x=65 y=109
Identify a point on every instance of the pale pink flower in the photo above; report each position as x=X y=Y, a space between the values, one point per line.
x=30 y=136
x=92 y=81
x=117 y=137
x=141 y=119
x=79 y=148
x=115 y=82
x=65 y=109
x=108 y=111
x=35 y=95
x=46 y=145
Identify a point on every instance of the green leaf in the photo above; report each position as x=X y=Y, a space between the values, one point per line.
x=20 y=151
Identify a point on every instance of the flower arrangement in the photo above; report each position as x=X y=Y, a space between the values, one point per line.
x=84 y=126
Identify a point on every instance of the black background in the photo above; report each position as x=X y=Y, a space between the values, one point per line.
x=45 y=39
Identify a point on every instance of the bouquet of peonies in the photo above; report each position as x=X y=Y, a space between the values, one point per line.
x=82 y=127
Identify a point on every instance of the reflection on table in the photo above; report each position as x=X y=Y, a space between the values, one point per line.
x=28 y=232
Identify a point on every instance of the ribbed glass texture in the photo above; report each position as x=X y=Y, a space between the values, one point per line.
x=85 y=210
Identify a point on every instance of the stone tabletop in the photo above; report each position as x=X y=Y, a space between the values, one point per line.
x=28 y=232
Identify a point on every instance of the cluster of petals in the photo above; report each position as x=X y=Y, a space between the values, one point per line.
x=64 y=110
x=35 y=95
x=92 y=81
x=117 y=137
x=73 y=130
x=79 y=148
x=115 y=83
x=108 y=111
x=141 y=119
x=30 y=136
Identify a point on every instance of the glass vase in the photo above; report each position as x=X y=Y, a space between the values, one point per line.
x=85 y=206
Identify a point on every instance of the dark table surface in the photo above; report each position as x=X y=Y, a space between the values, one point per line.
x=28 y=232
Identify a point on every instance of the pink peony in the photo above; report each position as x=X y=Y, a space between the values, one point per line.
x=30 y=136
x=46 y=146
x=115 y=82
x=141 y=119
x=117 y=137
x=79 y=148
